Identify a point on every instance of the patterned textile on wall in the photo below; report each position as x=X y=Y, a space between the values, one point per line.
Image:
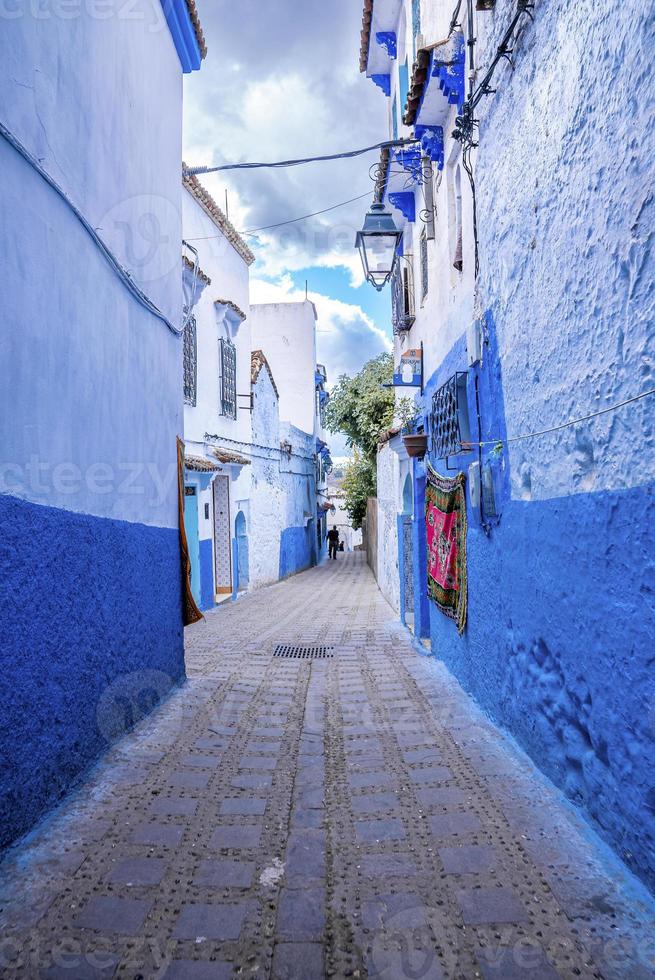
x=445 y=525
x=190 y=611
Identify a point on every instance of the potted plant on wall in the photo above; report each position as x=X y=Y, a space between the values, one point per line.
x=407 y=414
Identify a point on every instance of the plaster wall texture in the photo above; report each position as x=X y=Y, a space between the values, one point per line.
x=561 y=611
x=90 y=401
x=127 y=179
x=387 y=495
x=283 y=493
x=566 y=220
x=298 y=543
x=229 y=275
x=92 y=641
x=286 y=332
x=267 y=504
x=67 y=320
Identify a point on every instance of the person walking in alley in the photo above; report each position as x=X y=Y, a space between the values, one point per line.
x=333 y=542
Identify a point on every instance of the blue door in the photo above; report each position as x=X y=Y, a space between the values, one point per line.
x=191 y=527
x=242 y=549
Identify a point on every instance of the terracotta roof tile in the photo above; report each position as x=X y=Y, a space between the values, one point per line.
x=367 y=18
x=421 y=72
x=201 y=275
x=257 y=362
x=207 y=202
x=233 y=306
x=200 y=464
x=388 y=434
x=197 y=27
x=229 y=456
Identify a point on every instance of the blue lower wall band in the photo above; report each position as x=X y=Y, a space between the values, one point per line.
x=297 y=549
x=92 y=639
x=206 y=560
x=559 y=649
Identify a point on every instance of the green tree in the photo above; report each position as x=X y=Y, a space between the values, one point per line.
x=361 y=407
x=358 y=484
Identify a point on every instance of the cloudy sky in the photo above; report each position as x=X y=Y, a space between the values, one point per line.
x=281 y=80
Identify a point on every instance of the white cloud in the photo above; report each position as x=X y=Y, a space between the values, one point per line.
x=281 y=81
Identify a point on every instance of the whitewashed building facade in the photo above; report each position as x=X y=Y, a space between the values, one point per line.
x=286 y=334
x=217 y=409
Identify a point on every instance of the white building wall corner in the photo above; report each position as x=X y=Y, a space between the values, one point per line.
x=387 y=493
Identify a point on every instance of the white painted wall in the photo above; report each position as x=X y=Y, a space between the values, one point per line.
x=283 y=493
x=229 y=275
x=450 y=298
x=267 y=504
x=90 y=403
x=286 y=332
x=387 y=493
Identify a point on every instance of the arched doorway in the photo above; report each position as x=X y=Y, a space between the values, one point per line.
x=241 y=534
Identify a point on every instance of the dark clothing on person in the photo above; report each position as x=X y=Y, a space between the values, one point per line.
x=333 y=542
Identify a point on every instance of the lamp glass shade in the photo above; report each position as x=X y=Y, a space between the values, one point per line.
x=377 y=243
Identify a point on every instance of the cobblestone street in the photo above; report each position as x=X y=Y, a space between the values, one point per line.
x=348 y=815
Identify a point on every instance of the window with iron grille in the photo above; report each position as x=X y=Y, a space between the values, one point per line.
x=228 y=379
x=402 y=295
x=449 y=420
x=424 y=264
x=190 y=360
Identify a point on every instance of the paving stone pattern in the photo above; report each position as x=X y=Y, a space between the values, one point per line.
x=346 y=817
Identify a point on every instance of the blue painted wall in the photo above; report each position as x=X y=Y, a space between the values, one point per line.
x=206 y=566
x=91 y=640
x=559 y=642
x=90 y=401
x=191 y=528
x=559 y=649
x=297 y=549
x=243 y=563
x=561 y=626
x=419 y=555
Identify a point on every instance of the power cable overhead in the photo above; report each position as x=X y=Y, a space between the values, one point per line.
x=196 y=171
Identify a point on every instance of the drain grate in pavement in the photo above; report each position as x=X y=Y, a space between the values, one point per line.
x=302 y=652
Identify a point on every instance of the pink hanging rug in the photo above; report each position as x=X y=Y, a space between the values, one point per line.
x=445 y=524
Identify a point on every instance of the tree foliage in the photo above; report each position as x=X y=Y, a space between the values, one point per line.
x=362 y=408
x=358 y=484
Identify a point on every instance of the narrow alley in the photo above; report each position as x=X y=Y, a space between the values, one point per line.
x=346 y=812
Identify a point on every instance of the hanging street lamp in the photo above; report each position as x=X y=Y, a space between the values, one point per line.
x=377 y=243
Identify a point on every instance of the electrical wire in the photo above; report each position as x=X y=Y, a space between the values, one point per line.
x=562 y=425
x=120 y=271
x=504 y=50
x=290 y=221
x=195 y=171
x=454 y=19
x=466 y=121
x=240 y=442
